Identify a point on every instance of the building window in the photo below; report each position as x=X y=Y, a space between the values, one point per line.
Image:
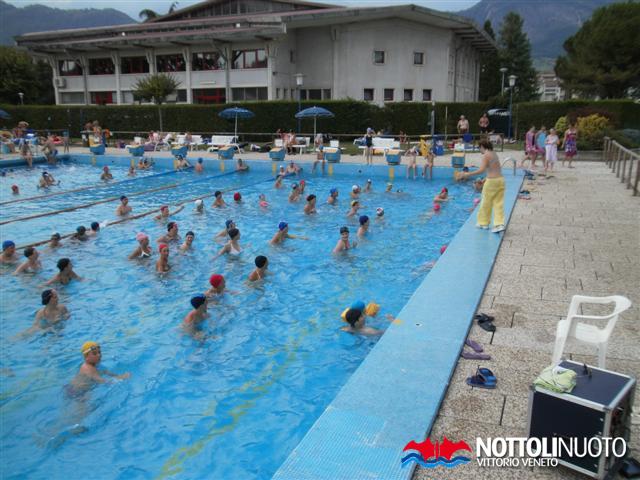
x=418 y=58
x=388 y=94
x=249 y=59
x=408 y=95
x=378 y=57
x=129 y=97
x=179 y=96
x=72 y=97
x=315 y=94
x=426 y=95
x=277 y=94
x=101 y=66
x=326 y=94
x=102 y=98
x=249 y=94
x=207 y=61
x=303 y=94
x=170 y=63
x=368 y=95
x=292 y=56
x=69 y=68
x=209 y=95
x=129 y=65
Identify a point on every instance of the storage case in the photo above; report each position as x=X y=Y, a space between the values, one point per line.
x=175 y=151
x=394 y=157
x=598 y=406
x=332 y=154
x=277 y=154
x=226 y=153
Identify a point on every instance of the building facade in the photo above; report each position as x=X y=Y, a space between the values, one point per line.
x=550 y=88
x=225 y=51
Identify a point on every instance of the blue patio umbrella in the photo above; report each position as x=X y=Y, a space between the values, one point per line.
x=314 y=112
x=4 y=115
x=236 y=112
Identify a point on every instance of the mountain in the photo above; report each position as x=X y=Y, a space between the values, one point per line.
x=40 y=18
x=548 y=23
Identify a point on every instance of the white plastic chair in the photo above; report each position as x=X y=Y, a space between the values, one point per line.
x=573 y=327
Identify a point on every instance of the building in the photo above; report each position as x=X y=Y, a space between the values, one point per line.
x=549 y=87
x=236 y=50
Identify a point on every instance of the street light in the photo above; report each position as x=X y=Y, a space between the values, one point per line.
x=21 y=95
x=503 y=70
x=512 y=83
x=299 y=82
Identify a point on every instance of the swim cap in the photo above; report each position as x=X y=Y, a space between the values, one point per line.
x=198 y=300
x=302 y=183
x=234 y=232
x=105 y=169
x=81 y=230
x=46 y=296
x=379 y=211
x=368 y=180
x=123 y=197
x=357 y=305
x=190 y=233
x=217 y=193
x=294 y=186
x=164 y=207
x=353 y=316
x=63 y=263
x=199 y=160
x=170 y=225
x=465 y=169
x=372 y=309
x=260 y=261
x=228 y=223
x=7 y=244
x=216 y=280
x=476 y=201
x=56 y=235
x=436 y=207
x=355 y=188
x=14 y=187
x=354 y=203
x=444 y=190
x=344 y=230
x=363 y=219
x=141 y=236
x=179 y=157
x=237 y=197
x=29 y=251
x=95 y=226
x=198 y=202
x=310 y=197
x=443 y=249
x=88 y=346
x=162 y=246
x=333 y=191
x=45 y=174
x=282 y=225
x=389 y=185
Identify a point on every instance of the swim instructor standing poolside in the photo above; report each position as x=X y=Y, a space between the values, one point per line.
x=492 y=191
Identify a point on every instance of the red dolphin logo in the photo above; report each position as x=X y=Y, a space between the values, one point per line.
x=445 y=449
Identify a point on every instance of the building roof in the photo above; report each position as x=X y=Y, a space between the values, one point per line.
x=226 y=28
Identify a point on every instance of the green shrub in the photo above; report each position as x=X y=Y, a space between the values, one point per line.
x=627 y=138
x=561 y=126
x=591 y=131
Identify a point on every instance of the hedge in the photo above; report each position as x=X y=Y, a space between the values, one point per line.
x=351 y=117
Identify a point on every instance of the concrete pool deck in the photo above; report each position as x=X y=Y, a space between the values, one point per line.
x=579 y=234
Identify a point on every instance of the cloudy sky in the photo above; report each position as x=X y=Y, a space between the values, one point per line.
x=132 y=8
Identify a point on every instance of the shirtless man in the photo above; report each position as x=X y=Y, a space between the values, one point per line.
x=162 y=264
x=106 y=174
x=54 y=242
x=261 y=268
x=188 y=242
x=310 y=207
x=32 y=264
x=343 y=244
x=333 y=196
x=192 y=321
x=8 y=255
x=81 y=234
x=294 y=196
x=124 y=208
x=364 y=225
x=165 y=213
x=143 y=250
x=283 y=233
x=219 y=201
x=65 y=274
x=94 y=229
x=171 y=235
x=50 y=314
x=89 y=373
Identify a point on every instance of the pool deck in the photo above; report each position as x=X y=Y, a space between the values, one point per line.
x=579 y=234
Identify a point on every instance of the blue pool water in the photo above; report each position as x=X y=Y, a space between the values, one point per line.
x=230 y=407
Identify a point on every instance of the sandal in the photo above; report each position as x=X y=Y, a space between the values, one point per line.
x=475 y=355
x=474 y=345
x=488 y=374
x=480 y=381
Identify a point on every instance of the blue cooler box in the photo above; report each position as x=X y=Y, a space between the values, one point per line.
x=394 y=157
x=137 y=151
x=226 y=153
x=332 y=154
x=97 y=149
x=179 y=151
x=457 y=160
x=277 y=154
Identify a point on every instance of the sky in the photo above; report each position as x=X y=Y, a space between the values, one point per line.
x=132 y=8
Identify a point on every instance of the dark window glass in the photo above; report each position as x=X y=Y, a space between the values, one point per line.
x=418 y=58
x=368 y=95
x=207 y=61
x=378 y=56
x=69 y=68
x=426 y=95
x=249 y=59
x=303 y=95
x=209 y=95
x=326 y=94
x=315 y=94
x=170 y=63
x=408 y=95
x=130 y=65
x=388 y=94
x=102 y=98
x=101 y=66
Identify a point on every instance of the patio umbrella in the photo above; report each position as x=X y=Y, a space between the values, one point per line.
x=4 y=115
x=314 y=112
x=236 y=112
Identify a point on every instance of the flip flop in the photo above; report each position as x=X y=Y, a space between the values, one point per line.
x=483 y=317
x=475 y=356
x=488 y=374
x=487 y=325
x=474 y=345
x=479 y=381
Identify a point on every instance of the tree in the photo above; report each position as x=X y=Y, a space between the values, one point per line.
x=156 y=88
x=173 y=7
x=489 y=69
x=19 y=73
x=147 y=15
x=603 y=58
x=515 y=55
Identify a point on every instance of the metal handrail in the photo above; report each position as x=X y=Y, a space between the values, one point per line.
x=510 y=159
x=616 y=156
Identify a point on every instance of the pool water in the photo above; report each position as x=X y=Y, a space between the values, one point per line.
x=233 y=406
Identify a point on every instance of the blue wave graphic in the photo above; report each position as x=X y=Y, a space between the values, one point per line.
x=440 y=462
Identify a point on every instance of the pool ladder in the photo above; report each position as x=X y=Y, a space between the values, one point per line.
x=510 y=159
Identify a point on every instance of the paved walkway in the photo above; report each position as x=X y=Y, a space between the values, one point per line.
x=579 y=234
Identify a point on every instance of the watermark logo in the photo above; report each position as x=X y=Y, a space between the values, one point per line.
x=431 y=455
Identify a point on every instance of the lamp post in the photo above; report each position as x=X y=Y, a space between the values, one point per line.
x=299 y=83
x=21 y=95
x=503 y=70
x=512 y=83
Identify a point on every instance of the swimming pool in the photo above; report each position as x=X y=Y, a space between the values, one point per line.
x=232 y=407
